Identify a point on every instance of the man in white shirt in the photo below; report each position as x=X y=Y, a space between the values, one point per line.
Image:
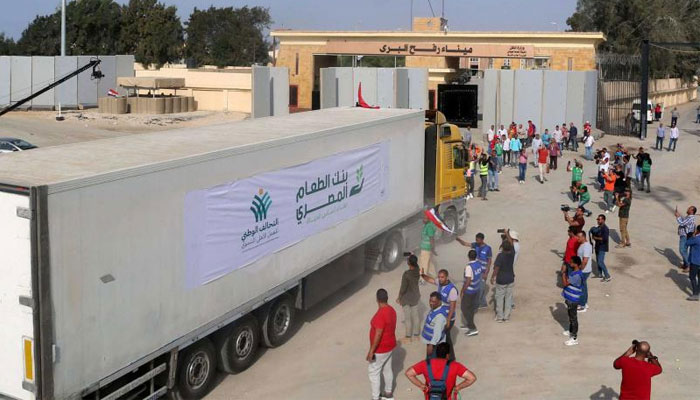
x=585 y=252
x=603 y=168
x=489 y=135
x=558 y=137
x=536 y=143
x=502 y=132
x=674 y=138
x=506 y=150
x=590 y=141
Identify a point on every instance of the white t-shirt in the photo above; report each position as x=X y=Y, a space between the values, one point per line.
x=589 y=141
x=674 y=133
x=502 y=132
x=604 y=166
x=536 y=144
x=516 y=249
x=558 y=136
x=468 y=272
x=490 y=134
x=586 y=250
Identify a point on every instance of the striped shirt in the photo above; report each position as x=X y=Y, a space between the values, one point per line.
x=686 y=225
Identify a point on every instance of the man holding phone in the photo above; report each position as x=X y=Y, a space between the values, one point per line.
x=637 y=371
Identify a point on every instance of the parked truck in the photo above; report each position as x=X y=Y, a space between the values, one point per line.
x=140 y=265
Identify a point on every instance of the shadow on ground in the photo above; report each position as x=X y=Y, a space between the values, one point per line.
x=605 y=393
x=668 y=198
x=560 y=314
x=681 y=280
x=670 y=255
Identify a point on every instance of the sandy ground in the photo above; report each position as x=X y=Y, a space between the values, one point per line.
x=524 y=358
x=41 y=128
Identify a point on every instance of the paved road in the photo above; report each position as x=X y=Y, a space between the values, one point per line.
x=524 y=358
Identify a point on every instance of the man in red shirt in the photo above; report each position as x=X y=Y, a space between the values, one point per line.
x=542 y=155
x=382 y=341
x=437 y=365
x=636 y=372
x=571 y=247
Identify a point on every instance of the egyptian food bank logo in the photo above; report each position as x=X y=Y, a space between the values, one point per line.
x=261 y=204
x=333 y=189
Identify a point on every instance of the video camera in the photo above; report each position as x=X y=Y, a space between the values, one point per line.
x=565 y=207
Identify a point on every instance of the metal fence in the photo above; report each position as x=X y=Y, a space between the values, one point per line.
x=619 y=85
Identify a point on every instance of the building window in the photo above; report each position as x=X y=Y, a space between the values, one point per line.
x=570 y=64
x=431 y=99
x=293 y=95
x=541 y=62
x=296 y=64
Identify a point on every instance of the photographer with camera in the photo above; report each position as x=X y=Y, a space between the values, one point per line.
x=637 y=371
x=577 y=221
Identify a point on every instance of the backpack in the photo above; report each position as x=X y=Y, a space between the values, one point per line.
x=437 y=390
x=646 y=166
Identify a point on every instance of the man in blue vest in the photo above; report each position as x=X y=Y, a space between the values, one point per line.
x=435 y=323
x=484 y=255
x=573 y=289
x=448 y=296
x=471 y=290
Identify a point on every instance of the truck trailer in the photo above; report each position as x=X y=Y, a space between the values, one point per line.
x=141 y=265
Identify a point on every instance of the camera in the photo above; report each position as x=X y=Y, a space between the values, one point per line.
x=502 y=230
x=565 y=207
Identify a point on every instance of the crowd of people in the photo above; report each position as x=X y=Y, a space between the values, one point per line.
x=619 y=171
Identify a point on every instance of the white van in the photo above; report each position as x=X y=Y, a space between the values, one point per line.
x=637 y=115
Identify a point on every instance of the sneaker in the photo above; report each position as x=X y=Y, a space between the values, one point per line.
x=472 y=332
x=387 y=397
x=607 y=279
x=496 y=190
x=566 y=333
x=500 y=320
x=613 y=208
x=693 y=298
x=571 y=342
x=582 y=309
x=464 y=328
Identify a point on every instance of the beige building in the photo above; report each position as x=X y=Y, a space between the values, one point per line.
x=446 y=54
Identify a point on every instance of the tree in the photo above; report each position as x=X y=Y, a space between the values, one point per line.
x=8 y=46
x=227 y=36
x=151 y=32
x=92 y=27
x=626 y=23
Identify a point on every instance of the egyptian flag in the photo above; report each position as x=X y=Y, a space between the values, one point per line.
x=434 y=217
x=112 y=93
x=361 y=102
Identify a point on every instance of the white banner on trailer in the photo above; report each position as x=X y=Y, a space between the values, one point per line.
x=232 y=225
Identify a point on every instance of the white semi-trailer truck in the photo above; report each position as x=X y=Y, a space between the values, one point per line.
x=137 y=266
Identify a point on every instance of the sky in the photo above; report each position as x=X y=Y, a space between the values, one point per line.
x=475 y=15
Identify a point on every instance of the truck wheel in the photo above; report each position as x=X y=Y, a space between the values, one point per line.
x=452 y=222
x=392 y=251
x=238 y=345
x=196 y=370
x=278 y=323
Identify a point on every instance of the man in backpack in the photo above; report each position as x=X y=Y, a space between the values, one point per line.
x=440 y=375
x=448 y=295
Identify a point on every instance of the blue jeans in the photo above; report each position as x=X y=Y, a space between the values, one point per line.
x=582 y=203
x=695 y=279
x=600 y=259
x=500 y=162
x=493 y=179
x=522 y=168
x=584 y=293
x=683 y=249
x=589 y=153
x=573 y=143
x=659 y=143
x=639 y=175
x=672 y=143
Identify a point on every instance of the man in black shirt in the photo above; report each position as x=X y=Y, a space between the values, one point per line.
x=503 y=278
x=601 y=235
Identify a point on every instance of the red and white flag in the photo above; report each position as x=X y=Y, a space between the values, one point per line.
x=112 y=93
x=434 y=217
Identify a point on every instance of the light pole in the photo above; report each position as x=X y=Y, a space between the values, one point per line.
x=59 y=117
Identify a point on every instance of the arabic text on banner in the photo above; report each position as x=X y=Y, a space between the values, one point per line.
x=234 y=224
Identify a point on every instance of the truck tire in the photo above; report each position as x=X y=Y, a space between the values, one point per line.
x=238 y=345
x=279 y=321
x=452 y=221
x=392 y=252
x=196 y=370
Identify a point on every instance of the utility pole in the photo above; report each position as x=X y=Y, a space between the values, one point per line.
x=59 y=117
x=410 y=25
x=644 y=90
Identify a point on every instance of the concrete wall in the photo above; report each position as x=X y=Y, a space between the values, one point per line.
x=270 y=91
x=383 y=87
x=548 y=98
x=227 y=89
x=21 y=76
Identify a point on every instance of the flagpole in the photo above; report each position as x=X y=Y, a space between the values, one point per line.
x=59 y=117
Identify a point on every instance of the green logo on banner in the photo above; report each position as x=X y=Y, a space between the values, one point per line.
x=261 y=204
